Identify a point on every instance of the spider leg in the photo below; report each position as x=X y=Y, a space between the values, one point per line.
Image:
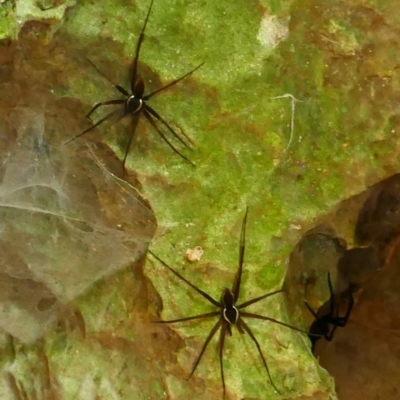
x=221 y=356
x=177 y=274
x=256 y=316
x=329 y=336
x=109 y=115
x=174 y=82
x=253 y=338
x=138 y=45
x=349 y=308
x=257 y=299
x=165 y=123
x=118 y=87
x=103 y=103
x=332 y=298
x=311 y=310
x=242 y=245
x=342 y=321
x=158 y=130
x=209 y=337
x=135 y=121
x=200 y=316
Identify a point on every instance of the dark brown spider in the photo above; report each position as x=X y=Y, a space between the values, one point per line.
x=229 y=312
x=322 y=325
x=135 y=103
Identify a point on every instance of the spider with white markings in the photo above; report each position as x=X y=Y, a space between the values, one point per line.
x=230 y=313
x=135 y=104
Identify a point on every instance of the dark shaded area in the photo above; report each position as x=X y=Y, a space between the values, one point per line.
x=364 y=355
x=379 y=218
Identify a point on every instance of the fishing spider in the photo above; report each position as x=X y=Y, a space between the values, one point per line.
x=135 y=103
x=229 y=312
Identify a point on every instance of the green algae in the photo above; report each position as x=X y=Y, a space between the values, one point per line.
x=7 y=21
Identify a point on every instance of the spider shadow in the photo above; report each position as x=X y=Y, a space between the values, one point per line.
x=325 y=325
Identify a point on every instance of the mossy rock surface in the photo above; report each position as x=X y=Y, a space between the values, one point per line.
x=294 y=110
